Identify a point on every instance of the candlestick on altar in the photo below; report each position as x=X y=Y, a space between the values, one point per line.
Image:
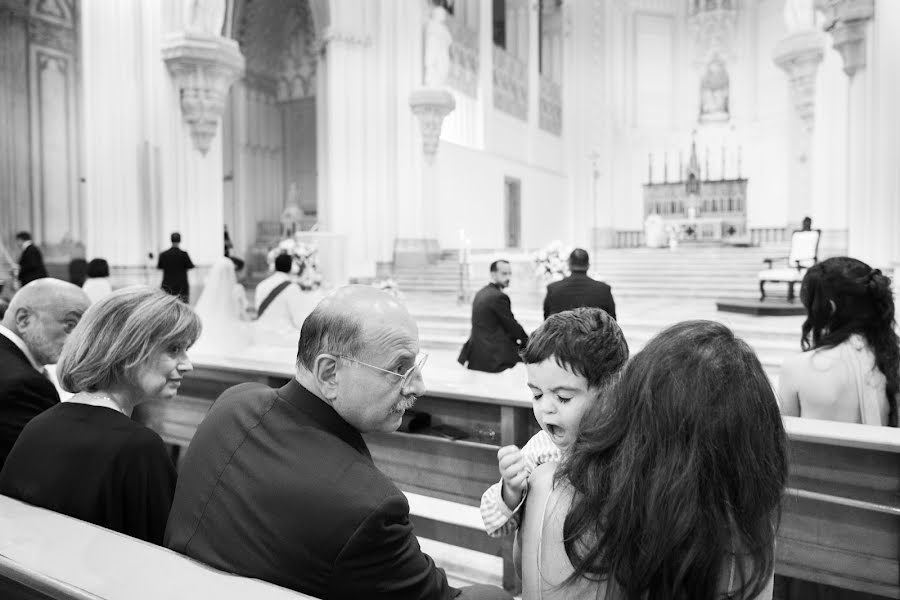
x=706 y=161
x=722 y=174
x=665 y=167
x=650 y=168
x=739 y=163
x=680 y=167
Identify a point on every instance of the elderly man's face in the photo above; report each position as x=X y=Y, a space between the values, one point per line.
x=370 y=399
x=46 y=329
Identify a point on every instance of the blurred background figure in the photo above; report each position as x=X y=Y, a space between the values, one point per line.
x=97 y=285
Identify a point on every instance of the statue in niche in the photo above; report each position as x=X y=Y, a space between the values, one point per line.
x=799 y=15
x=714 y=92
x=204 y=16
x=437 y=49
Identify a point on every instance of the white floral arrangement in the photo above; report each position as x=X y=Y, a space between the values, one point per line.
x=552 y=261
x=305 y=268
x=389 y=286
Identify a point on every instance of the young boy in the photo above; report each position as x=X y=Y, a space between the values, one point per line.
x=570 y=360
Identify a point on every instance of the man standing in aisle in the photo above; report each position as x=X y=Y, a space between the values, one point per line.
x=175 y=263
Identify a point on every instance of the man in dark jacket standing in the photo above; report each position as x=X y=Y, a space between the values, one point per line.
x=496 y=337
x=31 y=262
x=578 y=290
x=175 y=263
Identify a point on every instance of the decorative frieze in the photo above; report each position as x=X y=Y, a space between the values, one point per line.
x=464 y=58
x=550 y=106
x=712 y=23
x=203 y=67
x=510 y=84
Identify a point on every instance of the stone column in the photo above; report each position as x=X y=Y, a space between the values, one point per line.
x=849 y=23
x=799 y=55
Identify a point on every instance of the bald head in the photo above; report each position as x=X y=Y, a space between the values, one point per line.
x=43 y=313
x=350 y=321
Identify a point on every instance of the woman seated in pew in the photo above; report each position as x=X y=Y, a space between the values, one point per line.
x=850 y=368
x=85 y=457
x=672 y=488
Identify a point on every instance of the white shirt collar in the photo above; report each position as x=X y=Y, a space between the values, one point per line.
x=26 y=243
x=20 y=344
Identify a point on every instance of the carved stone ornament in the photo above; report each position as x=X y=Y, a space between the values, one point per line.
x=431 y=106
x=203 y=67
x=713 y=25
x=846 y=21
x=799 y=55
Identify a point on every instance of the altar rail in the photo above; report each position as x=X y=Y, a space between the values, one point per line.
x=841 y=514
x=48 y=556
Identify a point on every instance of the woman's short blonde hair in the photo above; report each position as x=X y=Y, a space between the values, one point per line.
x=120 y=333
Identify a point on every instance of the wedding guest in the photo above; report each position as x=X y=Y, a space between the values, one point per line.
x=97 y=285
x=34 y=328
x=848 y=370
x=78 y=271
x=280 y=306
x=672 y=488
x=175 y=263
x=279 y=484
x=578 y=289
x=496 y=337
x=31 y=261
x=85 y=457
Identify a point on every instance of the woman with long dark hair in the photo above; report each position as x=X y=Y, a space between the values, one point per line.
x=673 y=486
x=850 y=368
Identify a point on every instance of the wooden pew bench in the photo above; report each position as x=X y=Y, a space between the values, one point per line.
x=45 y=555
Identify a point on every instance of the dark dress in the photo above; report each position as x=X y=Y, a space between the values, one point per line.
x=175 y=263
x=24 y=394
x=31 y=265
x=94 y=464
x=578 y=290
x=496 y=337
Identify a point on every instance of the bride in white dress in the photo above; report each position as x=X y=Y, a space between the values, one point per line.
x=222 y=310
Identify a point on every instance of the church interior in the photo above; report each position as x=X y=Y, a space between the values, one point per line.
x=411 y=144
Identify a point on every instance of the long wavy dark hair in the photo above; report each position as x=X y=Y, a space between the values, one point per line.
x=844 y=296
x=680 y=476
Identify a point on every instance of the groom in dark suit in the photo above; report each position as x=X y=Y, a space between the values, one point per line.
x=578 y=290
x=278 y=484
x=175 y=263
x=39 y=319
x=496 y=337
x=31 y=262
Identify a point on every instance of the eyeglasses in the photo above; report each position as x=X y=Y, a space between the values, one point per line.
x=404 y=377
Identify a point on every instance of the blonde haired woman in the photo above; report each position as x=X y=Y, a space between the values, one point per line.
x=86 y=458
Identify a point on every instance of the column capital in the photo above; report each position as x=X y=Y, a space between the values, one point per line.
x=431 y=106
x=799 y=55
x=846 y=21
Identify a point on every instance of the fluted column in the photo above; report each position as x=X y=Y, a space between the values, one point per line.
x=849 y=23
x=799 y=55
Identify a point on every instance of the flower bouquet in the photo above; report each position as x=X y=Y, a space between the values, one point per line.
x=551 y=262
x=305 y=268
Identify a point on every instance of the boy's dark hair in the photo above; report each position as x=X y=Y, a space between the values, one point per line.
x=175 y=237
x=283 y=263
x=496 y=263
x=24 y=236
x=98 y=267
x=586 y=341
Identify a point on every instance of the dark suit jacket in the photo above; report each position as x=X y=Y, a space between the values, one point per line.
x=496 y=337
x=24 y=394
x=276 y=485
x=578 y=290
x=175 y=263
x=31 y=265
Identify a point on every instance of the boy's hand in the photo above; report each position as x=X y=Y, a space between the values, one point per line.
x=512 y=470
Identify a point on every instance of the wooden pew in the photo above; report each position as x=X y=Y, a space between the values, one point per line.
x=48 y=556
x=841 y=514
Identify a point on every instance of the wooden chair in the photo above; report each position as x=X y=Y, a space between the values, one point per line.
x=804 y=254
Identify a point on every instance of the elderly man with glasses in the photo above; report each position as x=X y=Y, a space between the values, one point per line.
x=279 y=484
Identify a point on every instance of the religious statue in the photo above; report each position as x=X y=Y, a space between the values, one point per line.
x=204 y=16
x=437 y=49
x=292 y=215
x=799 y=15
x=714 y=92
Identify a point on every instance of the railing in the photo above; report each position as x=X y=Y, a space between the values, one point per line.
x=550 y=106
x=629 y=239
x=769 y=235
x=510 y=84
x=464 y=58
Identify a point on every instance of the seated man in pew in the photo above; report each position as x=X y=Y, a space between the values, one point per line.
x=280 y=485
